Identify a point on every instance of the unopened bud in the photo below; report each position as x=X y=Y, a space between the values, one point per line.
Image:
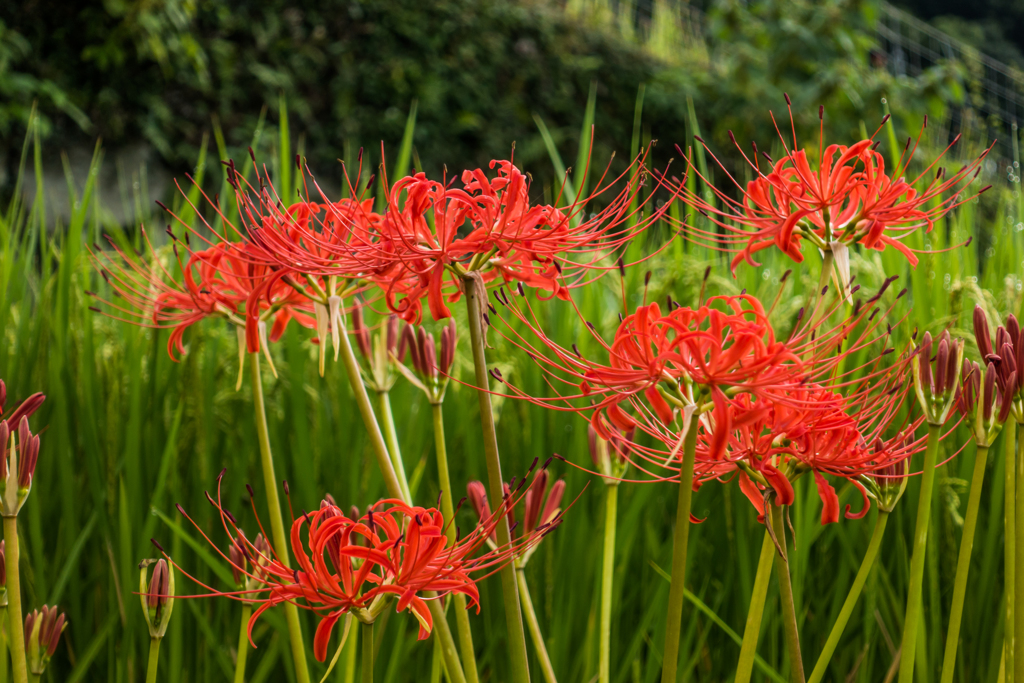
x=359 y=328
x=892 y=482
x=157 y=595
x=236 y=555
x=449 y=340
x=406 y=340
x=534 y=500
x=1013 y=329
x=42 y=633
x=925 y=358
x=3 y=396
x=429 y=351
x=391 y=333
x=29 y=406
x=553 y=505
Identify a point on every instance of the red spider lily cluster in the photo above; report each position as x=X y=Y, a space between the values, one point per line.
x=845 y=198
x=349 y=564
x=767 y=409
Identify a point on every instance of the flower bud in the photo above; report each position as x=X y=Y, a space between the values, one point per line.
x=988 y=389
x=925 y=354
x=405 y=340
x=981 y=332
x=391 y=333
x=1013 y=329
x=415 y=353
x=237 y=557
x=553 y=505
x=359 y=329
x=429 y=351
x=534 y=499
x=3 y=396
x=28 y=448
x=935 y=386
x=262 y=556
x=969 y=389
x=42 y=632
x=1006 y=401
x=449 y=340
x=17 y=465
x=157 y=595
x=29 y=406
x=891 y=481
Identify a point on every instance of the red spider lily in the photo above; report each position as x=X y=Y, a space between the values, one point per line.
x=847 y=199
x=727 y=345
x=353 y=565
x=228 y=280
x=543 y=246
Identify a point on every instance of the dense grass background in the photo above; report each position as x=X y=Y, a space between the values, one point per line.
x=129 y=433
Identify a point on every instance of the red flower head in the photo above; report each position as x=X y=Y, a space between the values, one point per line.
x=846 y=198
x=543 y=246
x=355 y=565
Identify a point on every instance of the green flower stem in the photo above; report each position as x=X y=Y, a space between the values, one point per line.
x=348 y=675
x=291 y=612
x=367 y=663
x=963 y=565
x=917 y=559
x=391 y=437
x=380 y=451
x=243 y=644
x=466 y=648
x=1018 y=608
x=154 y=659
x=677 y=589
x=475 y=298
x=17 y=624
x=796 y=660
x=611 y=507
x=752 y=630
x=534 y=625
x=823 y=281
x=851 y=599
x=1009 y=549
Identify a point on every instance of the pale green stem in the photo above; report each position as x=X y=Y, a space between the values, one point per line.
x=154 y=659
x=796 y=661
x=435 y=664
x=349 y=675
x=380 y=451
x=534 y=625
x=243 y=644
x=908 y=651
x=391 y=437
x=607 y=575
x=520 y=668
x=851 y=599
x=680 y=542
x=291 y=612
x=1009 y=548
x=466 y=648
x=1018 y=608
x=963 y=565
x=17 y=634
x=752 y=630
x=367 y=663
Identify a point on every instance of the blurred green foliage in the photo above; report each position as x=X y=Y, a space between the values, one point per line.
x=166 y=71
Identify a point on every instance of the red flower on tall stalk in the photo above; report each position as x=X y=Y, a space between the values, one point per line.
x=354 y=565
x=488 y=225
x=846 y=198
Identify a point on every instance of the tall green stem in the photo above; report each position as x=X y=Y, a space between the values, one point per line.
x=243 y=644
x=391 y=436
x=752 y=630
x=677 y=589
x=963 y=565
x=291 y=612
x=154 y=659
x=1009 y=549
x=380 y=451
x=348 y=674
x=611 y=507
x=1018 y=608
x=796 y=661
x=908 y=651
x=534 y=625
x=466 y=648
x=520 y=668
x=851 y=599
x=367 y=663
x=17 y=638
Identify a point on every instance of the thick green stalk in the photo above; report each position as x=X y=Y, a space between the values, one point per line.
x=680 y=542
x=796 y=661
x=367 y=663
x=851 y=599
x=466 y=648
x=391 y=437
x=752 y=630
x=611 y=507
x=291 y=612
x=963 y=565
x=1018 y=608
x=475 y=298
x=534 y=625
x=380 y=451
x=154 y=659
x=243 y=644
x=1009 y=549
x=914 y=593
x=348 y=674
x=17 y=625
